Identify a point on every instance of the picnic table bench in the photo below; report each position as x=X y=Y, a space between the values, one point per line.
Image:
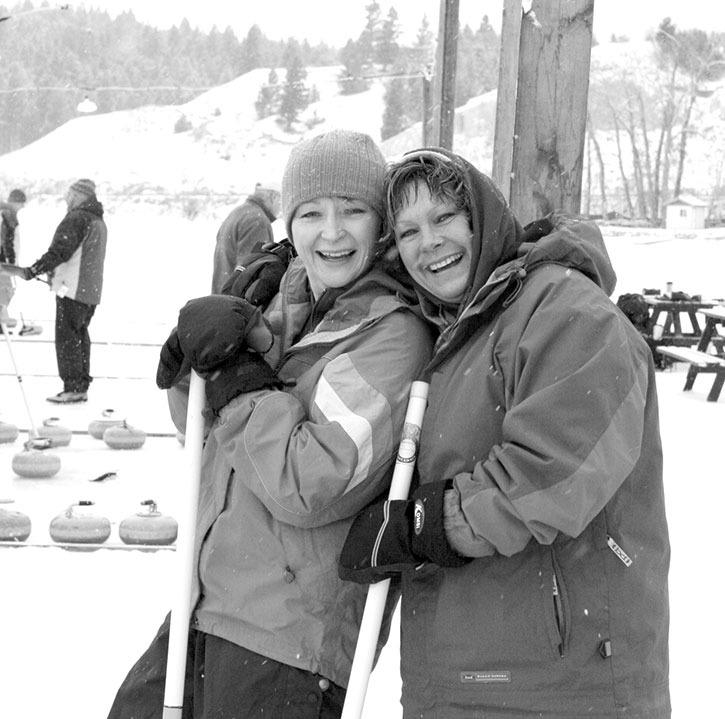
x=699 y=359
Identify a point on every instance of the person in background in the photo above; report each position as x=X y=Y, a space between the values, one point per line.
x=74 y=265
x=246 y=228
x=9 y=251
x=304 y=437
x=534 y=551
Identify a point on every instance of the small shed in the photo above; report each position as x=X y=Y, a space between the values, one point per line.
x=685 y=212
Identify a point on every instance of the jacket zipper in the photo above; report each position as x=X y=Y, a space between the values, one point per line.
x=558 y=596
x=558 y=613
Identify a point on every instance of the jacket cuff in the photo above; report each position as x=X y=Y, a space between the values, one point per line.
x=429 y=539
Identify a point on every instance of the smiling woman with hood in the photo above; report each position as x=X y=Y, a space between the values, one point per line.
x=534 y=551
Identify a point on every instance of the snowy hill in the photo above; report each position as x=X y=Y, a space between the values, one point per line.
x=227 y=149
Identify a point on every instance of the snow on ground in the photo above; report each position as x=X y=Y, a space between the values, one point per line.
x=75 y=621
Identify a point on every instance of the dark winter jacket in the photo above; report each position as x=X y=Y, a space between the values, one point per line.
x=244 y=229
x=8 y=227
x=74 y=260
x=285 y=472
x=543 y=411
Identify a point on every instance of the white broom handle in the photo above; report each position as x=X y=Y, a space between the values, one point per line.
x=362 y=663
x=33 y=431
x=181 y=606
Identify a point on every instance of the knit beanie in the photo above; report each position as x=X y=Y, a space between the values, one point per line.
x=339 y=163
x=84 y=186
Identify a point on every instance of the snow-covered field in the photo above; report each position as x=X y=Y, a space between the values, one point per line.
x=73 y=622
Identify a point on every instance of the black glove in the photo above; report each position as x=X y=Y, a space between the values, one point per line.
x=246 y=372
x=210 y=332
x=391 y=536
x=258 y=277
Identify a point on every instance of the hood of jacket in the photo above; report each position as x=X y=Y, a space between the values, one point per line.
x=90 y=205
x=504 y=253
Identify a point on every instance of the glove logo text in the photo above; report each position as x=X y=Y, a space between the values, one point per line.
x=418 y=516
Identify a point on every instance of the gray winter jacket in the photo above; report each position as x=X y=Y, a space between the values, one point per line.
x=543 y=412
x=285 y=472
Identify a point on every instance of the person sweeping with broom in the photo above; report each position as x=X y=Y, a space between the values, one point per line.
x=74 y=264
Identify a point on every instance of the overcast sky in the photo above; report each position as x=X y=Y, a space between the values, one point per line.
x=335 y=21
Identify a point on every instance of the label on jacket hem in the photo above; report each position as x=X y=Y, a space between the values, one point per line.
x=486 y=677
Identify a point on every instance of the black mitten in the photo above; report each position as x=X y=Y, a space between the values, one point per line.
x=258 y=277
x=213 y=329
x=247 y=372
x=210 y=332
x=393 y=535
x=172 y=363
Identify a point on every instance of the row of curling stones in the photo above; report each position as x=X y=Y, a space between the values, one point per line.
x=51 y=429
x=111 y=428
x=79 y=525
x=116 y=432
x=35 y=462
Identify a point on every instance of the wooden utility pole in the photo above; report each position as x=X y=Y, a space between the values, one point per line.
x=444 y=85
x=542 y=105
x=425 y=79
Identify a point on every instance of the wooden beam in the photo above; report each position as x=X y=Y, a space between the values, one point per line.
x=544 y=157
x=444 y=87
x=555 y=52
x=508 y=77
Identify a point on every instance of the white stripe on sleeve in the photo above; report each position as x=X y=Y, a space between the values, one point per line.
x=356 y=426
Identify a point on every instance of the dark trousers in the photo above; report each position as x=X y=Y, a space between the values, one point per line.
x=72 y=343
x=225 y=681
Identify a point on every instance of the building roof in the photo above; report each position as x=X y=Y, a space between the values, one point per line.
x=685 y=199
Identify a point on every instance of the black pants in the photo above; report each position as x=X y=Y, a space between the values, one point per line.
x=72 y=343
x=225 y=681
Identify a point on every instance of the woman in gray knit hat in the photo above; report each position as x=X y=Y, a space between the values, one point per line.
x=305 y=436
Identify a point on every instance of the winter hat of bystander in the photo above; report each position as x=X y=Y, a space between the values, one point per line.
x=17 y=196
x=339 y=163
x=85 y=187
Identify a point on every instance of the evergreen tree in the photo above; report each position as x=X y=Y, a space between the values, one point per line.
x=251 y=50
x=386 y=50
x=294 y=92
x=268 y=99
x=424 y=47
x=351 y=80
x=369 y=37
x=395 y=117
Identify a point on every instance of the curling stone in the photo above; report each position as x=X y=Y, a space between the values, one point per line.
x=148 y=526
x=14 y=526
x=8 y=432
x=108 y=418
x=124 y=436
x=77 y=525
x=53 y=430
x=35 y=463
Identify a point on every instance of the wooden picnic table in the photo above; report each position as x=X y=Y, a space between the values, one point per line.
x=699 y=359
x=674 y=311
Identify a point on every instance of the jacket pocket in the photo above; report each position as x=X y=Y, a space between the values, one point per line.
x=559 y=607
x=487 y=616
